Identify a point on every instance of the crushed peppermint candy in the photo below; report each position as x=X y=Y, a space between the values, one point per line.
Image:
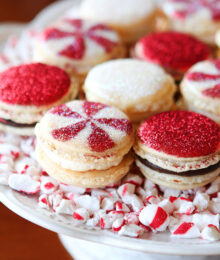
x=131 y=207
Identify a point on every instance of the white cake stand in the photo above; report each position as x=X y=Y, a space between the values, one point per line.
x=80 y=242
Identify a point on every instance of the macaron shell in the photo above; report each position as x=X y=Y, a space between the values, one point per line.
x=88 y=179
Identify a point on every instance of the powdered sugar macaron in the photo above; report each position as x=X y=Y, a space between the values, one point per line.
x=28 y=91
x=175 y=52
x=85 y=144
x=201 y=89
x=136 y=87
x=131 y=19
x=179 y=149
x=76 y=45
x=200 y=18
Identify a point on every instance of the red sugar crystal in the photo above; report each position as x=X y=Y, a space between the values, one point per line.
x=173 y=50
x=180 y=133
x=33 y=84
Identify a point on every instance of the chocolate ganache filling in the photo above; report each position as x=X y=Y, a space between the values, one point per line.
x=14 y=124
x=185 y=173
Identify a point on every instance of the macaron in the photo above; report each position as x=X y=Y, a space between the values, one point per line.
x=179 y=149
x=76 y=45
x=175 y=52
x=28 y=91
x=85 y=144
x=136 y=87
x=131 y=19
x=200 y=18
x=200 y=89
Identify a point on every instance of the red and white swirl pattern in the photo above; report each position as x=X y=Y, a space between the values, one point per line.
x=77 y=39
x=95 y=120
x=205 y=77
x=181 y=9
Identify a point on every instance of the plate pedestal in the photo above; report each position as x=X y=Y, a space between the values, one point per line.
x=81 y=250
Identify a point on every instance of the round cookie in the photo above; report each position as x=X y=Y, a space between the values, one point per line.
x=201 y=89
x=76 y=45
x=138 y=88
x=131 y=19
x=85 y=143
x=28 y=91
x=172 y=51
x=200 y=18
x=179 y=149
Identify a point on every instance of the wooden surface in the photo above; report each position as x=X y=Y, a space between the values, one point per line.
x=20 y=239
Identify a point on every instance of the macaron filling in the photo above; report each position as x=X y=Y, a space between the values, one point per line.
x=14 y=124
x=184 y=173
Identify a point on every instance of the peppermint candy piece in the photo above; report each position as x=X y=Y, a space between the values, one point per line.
x=23 y=183
x=186 y=230
x=211 y=233
x=154 y=217
x=131 y=230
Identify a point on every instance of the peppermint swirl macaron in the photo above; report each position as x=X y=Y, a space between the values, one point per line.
x=76 y=45
x=85 y=143
x=179 y=149
x=201 y=89
x=175 y=52
x=28 y=91
x=200 y=18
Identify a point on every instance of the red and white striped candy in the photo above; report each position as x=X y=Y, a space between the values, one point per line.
x=126 y=189
x=105 y=221
x=154 y=217
x=43 y=201
x=186 y=230
x=23 y=183
x=48 y=185
x=211 y=233
x=184 y=206
x=132 y=218
x=120 y=206
x=10 y=150
x=80 y=215
x=118 y=224
x=133 y=179
x=131 y=230
x=202 y=220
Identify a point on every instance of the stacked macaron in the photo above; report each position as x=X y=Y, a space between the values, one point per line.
x=200 y=18
x=201 y=89
x=76 y=45
x=28 y=91
x=85 y=144
x=179 y=149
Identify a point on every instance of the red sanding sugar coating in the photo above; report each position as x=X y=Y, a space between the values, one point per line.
x=174 y=50
x=180 y=133
x=33 y=84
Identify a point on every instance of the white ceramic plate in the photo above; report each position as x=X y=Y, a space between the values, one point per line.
x=27 y=207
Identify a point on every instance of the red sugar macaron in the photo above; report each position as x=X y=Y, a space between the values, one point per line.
x=181 y=133
x=174 y=51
